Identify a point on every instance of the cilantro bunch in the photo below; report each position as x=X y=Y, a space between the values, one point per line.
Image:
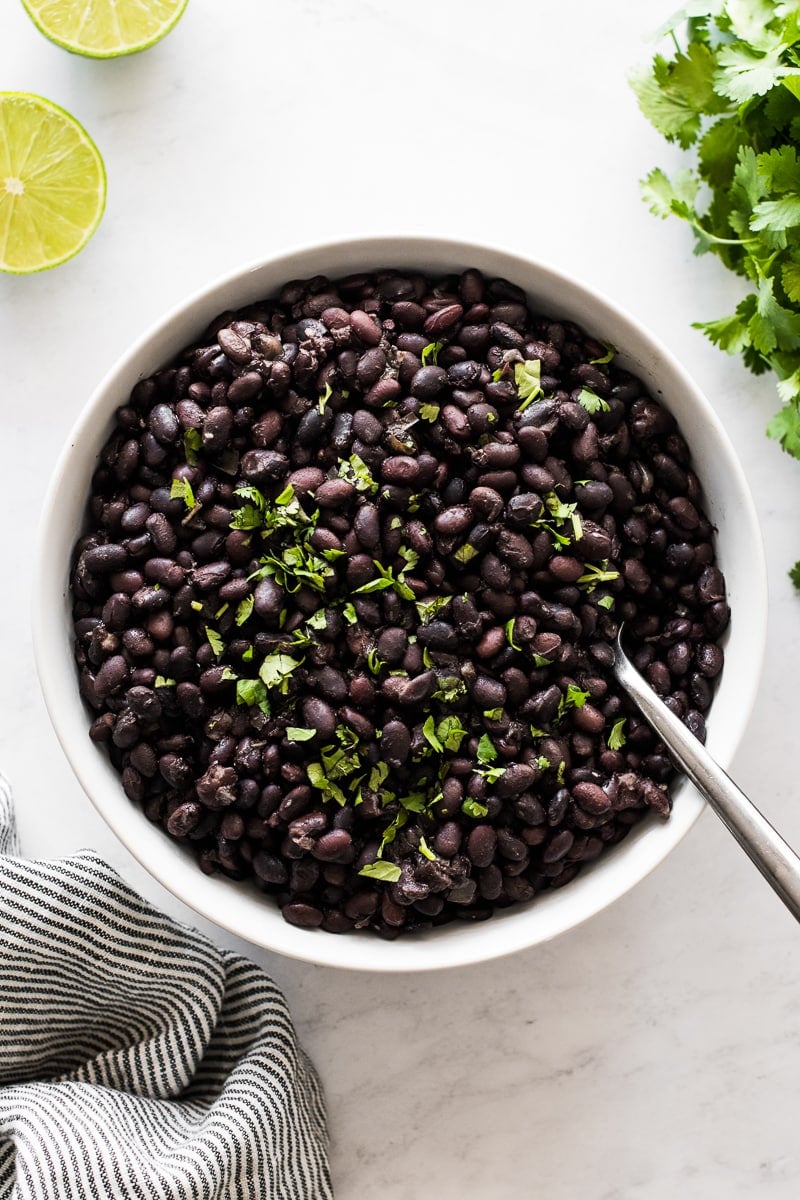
x=730 y=91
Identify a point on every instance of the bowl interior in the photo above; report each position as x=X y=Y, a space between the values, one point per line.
x=242 y=909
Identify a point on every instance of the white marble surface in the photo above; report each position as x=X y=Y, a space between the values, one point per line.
x=653 y=1052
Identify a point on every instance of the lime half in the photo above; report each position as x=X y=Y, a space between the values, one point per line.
x=52 y=184
x=105 y=28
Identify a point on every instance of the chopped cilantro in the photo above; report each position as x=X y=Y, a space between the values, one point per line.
x=319 y=780
x=197 y=605
x=592 y=402
x=192 y=442
x=409 y=557
x=276 y=670
x=572 y=698
x=426 y=851
x=430 y=354
x=391 y=830
x=373 y=662
x=594 y=574
x=562 y=766
x=604 y=358
x=474 y=808
x=429 y=412
x=385 y=871
x=450 y=688
x=493 y=714
x=298 y=733
x=486 y=750
x=428 y=609
x=543 y=763
x=325 y=397
x=162 y=681
x=528 y=378
x=465 y=553
x=251 y=494
x=253 y=693
x=215 y=641
x=541 y=660
x=616 y=738
x=429 y=733
x=181 y=489
x=451 y=733
x=378 y=776
x=606 y=602
x=247 y=517
x=319 y=620
x=349 y=613
x=356 y=471
x=510 y=634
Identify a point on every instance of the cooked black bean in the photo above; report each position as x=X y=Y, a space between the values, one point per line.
x=372 y=619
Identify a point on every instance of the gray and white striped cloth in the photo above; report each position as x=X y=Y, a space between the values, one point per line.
x=136 y=1059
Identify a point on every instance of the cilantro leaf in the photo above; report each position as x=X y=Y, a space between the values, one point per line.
x=181 y=489
x=385 y=871
x=192 y=442
x=430 y=354
x=486 y=750
x=616 y=738
x=215 y=641
x=429 y=733
x=592 y=402
x=451 y=733
x=528 y=379
x=425 y=850
x=276 y=669
x=297 y=733
x=428 y=609
x=474 y=808
x=253 y=693
x=318 y=779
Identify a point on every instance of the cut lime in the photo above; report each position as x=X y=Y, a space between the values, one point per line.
x=105 y=28
x=52 y=184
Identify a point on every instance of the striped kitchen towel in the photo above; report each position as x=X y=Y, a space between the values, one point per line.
x=136 y=1059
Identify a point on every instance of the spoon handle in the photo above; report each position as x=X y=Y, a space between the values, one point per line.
x=774 y=858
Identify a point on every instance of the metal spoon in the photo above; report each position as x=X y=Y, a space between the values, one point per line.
x=774 y=858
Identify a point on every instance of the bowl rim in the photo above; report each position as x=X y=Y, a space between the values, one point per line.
x=226 y=903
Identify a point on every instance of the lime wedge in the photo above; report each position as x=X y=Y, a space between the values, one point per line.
x=52 y=184
x=105 y=28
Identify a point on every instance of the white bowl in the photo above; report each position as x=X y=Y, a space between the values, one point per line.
x=236 y=906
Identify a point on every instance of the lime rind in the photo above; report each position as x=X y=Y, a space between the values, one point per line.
x=54 y=27
x=27 y=231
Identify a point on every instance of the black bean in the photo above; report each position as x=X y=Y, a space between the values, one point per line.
x=481 y=845
x=105 y=559
x=304 y=915
x=263 y=466
x=395 y=743
x=428 y=382
x=366 y=525
x=268 y=598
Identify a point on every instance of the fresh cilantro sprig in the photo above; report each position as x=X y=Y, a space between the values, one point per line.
x=730 y=92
